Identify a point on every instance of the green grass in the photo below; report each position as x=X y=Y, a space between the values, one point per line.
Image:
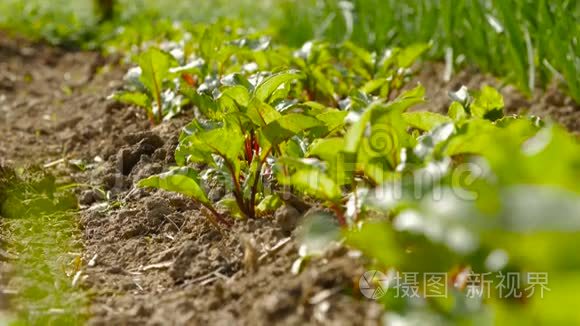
x=519 y=39
x=39 y=221
x=528 y=42
x=48 y=247
x=75 y=24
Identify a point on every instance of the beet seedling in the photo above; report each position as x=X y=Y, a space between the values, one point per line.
x=150 y=86
x=238 y=145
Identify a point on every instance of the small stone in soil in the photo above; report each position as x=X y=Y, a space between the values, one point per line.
x=287 y=217
x=89 y=197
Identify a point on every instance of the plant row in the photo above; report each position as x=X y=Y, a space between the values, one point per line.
x=333 y=124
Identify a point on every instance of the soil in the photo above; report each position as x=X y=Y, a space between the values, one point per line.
x=150 y=256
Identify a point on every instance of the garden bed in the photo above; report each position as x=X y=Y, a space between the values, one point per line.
x=151 y=257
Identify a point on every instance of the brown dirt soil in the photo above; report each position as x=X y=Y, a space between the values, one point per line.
x=150 y=256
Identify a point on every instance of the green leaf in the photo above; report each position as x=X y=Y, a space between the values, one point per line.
x=425 y=120
x=237 y=79
x=332 y=119
x=474 y=137
x=239 y=121
x=410 y=54
x=295 y=163
x=267 y=87
x=411 y=97
x=226 y=142
x=376 y=168
x=196 y=126
x=155 y=65
x=378 y=148
x=488 y=104
x=293 y=148
x=362 y=54
x=375 y=111
x=317 y=234
x=232 y=207
x=550 y=157
x=456 y=111
x=235 y=94
x=372 y=85
x=182 y=180
x=326 y=149
x=261 y=113
x=376 y=240
x=284 y=128
x=316 y=183
x=330 y=151
x=190 y=149
x=269 y=204
x=323 y=82
x=210 y=42
x=527 y=208
x=355 y=133
x=135 y=98
x=205 y=103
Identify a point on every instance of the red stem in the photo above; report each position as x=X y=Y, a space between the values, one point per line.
x=255 y=190
x=339 y=214
x=217 y=215
x=238 y=188
x=157 y=92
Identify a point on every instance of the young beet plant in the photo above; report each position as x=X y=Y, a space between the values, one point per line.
x=368 y=152
x=245 y=123
x=151 y=86
x=237 y=145
x=334 y=71
x=163 y=82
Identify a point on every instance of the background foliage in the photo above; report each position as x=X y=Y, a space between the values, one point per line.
x=529 y=42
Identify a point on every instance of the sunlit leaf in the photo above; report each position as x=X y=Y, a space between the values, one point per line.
x=456 y=111
x=269 y=204
x=269 y=85
x=316 y=183
x=488 y=104
x=155 y=65
x=410 y=54
x=135 y=98
x=182 y=180
x=283 y=128
x=425 y=120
